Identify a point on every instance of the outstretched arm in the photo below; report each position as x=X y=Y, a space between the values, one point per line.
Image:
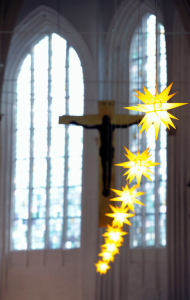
x=124 y=121
x=85 y=126
x=87 y=121
x=125 y=125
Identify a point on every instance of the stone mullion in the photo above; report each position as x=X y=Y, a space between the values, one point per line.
x=66 y=148
x=48 y=140
x=31 y=152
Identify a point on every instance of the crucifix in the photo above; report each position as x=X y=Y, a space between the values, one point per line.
x=105 y=122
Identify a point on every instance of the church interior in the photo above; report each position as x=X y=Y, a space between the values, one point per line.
x=68 y=71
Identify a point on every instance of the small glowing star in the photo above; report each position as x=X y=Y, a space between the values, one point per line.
x=114 y=234
x=111 y=247
x=138 y=165
x=128 y=197
x=107 y=256
x=120 y=216
x=102 y=267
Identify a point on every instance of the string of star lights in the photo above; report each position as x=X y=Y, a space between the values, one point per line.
x=113 y=236
x=156 y=109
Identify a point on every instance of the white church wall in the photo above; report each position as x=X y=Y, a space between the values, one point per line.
x=49 y=274
x=147 y=274
x=44 y=275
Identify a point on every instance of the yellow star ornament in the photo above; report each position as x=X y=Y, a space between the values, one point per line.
x=120 y=216
x=114 y=234
x=155 y=108
x=128 y=197
x=107 y=256
x=138 y=165
x=111 y=247
x=102 y=267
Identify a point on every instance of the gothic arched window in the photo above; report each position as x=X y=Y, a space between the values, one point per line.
x=48 y=156
x=149 y=224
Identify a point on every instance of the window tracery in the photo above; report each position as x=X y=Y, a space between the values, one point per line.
x=48 y=158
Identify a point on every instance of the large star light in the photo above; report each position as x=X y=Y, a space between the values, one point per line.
x=138 y=165
x=120 y=216
x=102 y=267
x=155 y=108
x=114 y=234
x=128 y=197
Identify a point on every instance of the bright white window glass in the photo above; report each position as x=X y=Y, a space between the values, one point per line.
x=23 y=95
x=149 y=224
x=76 y=88
x=40 y=119
x=75 y=150
x=22 y=151
x=48 y=156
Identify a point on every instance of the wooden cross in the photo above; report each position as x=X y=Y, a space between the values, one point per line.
x=105 y=122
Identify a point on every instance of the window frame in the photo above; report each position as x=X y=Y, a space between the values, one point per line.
x=33 y=28
x=48 y=158
x=143 y=213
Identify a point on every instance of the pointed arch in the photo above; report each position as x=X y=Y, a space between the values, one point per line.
x=118 y=42
x=31 y=30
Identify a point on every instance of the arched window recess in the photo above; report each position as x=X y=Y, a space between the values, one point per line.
x=44 y=79
x=149 y=224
